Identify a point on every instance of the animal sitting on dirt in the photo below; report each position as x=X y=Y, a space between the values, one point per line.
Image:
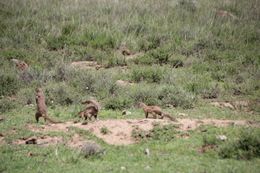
x=91 y=109
x=41 y=107
x=155 y=111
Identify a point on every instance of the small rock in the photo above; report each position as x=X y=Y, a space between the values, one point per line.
x=147 y=152
x=123 y=168
x=147 y=167
x=222 y=137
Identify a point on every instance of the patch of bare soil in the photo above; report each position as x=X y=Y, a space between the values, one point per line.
x=191 y=124
x=42 y=140
x=122 y=83
x=240 y=105
x=85 y=65
x=76 y=141
x=121 y=130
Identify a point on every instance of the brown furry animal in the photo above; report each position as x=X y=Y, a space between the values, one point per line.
x=91 y=110
x=41 y=107
x=155 y=110
x=88 y=113
x=93 y=103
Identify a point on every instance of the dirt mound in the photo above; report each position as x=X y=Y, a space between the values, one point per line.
x=120 y=131
x=191 y=124
x=240 y=105
x=76 y=141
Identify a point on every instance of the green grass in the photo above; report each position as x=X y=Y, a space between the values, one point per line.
x=168 y=152
x=189 y=56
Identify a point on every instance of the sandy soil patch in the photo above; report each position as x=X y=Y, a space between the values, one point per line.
x=120 y=131
x=42 y=140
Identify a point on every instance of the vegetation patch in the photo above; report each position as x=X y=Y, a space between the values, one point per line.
x=164 y=133
x=246 y=147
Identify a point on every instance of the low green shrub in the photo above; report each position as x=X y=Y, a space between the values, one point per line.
x=115 y=61
x=164 y=133
x=61 y=94
x=202 y=85
x=81 y=80
x=140 y=134
x=157 y=56
x=149 y=74
x=68 y=29
x=10 y=84
x=99 y=40
x=151 y=42
x=246 y=147
x=177 y=97
x=26 y=95
x=210 y=139
x=118 y=103
x=188 y=5
x=7 y=104
x=145 y=93
x=56 y=43
x=104 y=130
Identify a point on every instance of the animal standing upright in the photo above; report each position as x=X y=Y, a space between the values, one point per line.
x=41 y=108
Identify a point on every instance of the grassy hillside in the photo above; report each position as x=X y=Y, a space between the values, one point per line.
x=219 y=54
x=184 y=55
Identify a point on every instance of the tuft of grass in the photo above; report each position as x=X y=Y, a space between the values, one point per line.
x=163 y=133
x=118 y=103
x=104 y=130
x=146 y=73
x=7 y=104
x=9 y=83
